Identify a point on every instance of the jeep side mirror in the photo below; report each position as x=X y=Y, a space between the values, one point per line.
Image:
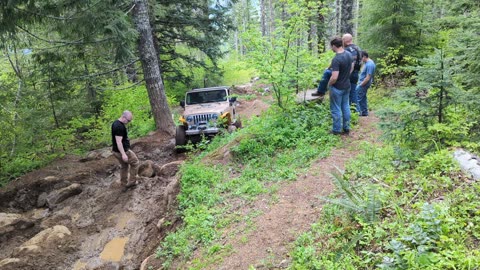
x=233 y=99
x=182 y=103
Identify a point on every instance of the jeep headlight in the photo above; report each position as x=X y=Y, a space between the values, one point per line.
x=213 y=120
x=189 y=120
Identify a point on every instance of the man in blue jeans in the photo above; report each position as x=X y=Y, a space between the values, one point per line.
x=356 y=53
x=364 y=82
x=339 y=82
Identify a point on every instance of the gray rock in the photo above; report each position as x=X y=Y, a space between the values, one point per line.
x=9 y=262
x=58 y=196
x=12 y=222
x=146 y=169
x=469 y=163
x=44 y=239
x=169 y=169
x=42 y=200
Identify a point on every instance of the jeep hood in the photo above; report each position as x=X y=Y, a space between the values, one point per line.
x=215 y=107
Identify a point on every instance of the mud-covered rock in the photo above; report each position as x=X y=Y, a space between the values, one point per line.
x=58 y=196
x=97 y=154
x=42 y=200
x=11 y=222
x=43 y=240
x=9 y=263
x=49 y=181
x=146 y=169
x=25 y=199
x=170 y=169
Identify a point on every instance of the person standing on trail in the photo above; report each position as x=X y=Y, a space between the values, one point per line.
x=364 y=82
x=342 y=66
x=355 y=51
x=121 y=150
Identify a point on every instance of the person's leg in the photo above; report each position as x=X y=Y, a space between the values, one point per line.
x=322 y=86
x=346 y=111
x=335 y=109
x=123 y=169
x=362 y=100
x=134 y=164
x=353 y=97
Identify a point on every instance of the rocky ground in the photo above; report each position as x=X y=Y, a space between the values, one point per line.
x=73 y=214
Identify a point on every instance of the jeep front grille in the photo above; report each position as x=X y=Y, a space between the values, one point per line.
x=203 y=118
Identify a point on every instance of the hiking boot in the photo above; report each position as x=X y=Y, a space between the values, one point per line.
x=131 y=184
x=335 y=132
x=346 y=132
x=316 y=94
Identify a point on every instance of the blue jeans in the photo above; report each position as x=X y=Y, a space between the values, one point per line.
x=353 y=90
x=362 y=99
x=340 y=109
x=322 y=86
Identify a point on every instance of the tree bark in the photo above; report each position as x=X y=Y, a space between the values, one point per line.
x=263 y=22
x=151 y=69
x=18 y=71
x=346 y=23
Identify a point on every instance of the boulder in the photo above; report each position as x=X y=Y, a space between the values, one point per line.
x=11 y=222
x=58 y=196
x=146 y=169
x=42 y=200
x=468 y=162
x=169 y=169
x=42 y=240
x=9 y=262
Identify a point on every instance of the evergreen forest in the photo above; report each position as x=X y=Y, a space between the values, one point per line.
x=69 y=68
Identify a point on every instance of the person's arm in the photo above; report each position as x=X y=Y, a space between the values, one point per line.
x=333 y=78
x=366 y=80
x=369 y=70
x=351 y=68
x=118 y=140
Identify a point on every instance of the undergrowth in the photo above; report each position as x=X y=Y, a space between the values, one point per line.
x=271 y=148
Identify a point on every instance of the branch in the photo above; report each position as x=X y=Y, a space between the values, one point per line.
x=55 y=17
x=124 y=88
x=49 y=41
x=77 y=42
x=97 y=74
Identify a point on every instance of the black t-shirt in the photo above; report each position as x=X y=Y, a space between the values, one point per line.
x=355 y=51
x=342 y=62
x=119 y=129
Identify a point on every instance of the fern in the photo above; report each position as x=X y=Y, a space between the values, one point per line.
x=363 y=202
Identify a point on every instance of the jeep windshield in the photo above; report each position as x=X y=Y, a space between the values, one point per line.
x=206 y=97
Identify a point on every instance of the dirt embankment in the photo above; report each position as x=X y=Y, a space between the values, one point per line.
x=73 y=214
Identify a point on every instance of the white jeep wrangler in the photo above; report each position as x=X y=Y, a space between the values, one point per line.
x=207 y=111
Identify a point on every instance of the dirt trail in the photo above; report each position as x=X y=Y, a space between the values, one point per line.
x=265 y=242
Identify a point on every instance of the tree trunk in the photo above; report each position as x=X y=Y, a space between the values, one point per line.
x=271 y=21
x=347 y=17
x=263 y=22
x=18 y=71
x=151 y=69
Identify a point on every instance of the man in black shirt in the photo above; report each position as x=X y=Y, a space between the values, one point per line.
x=355 y=51
x=121 y=150
x=342 y=66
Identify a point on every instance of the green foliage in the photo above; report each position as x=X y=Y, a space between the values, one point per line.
x=393 y=68
x=390 y=24
x=284 y=60
x=364 y=201
x=236 y=72
x=272 y=147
